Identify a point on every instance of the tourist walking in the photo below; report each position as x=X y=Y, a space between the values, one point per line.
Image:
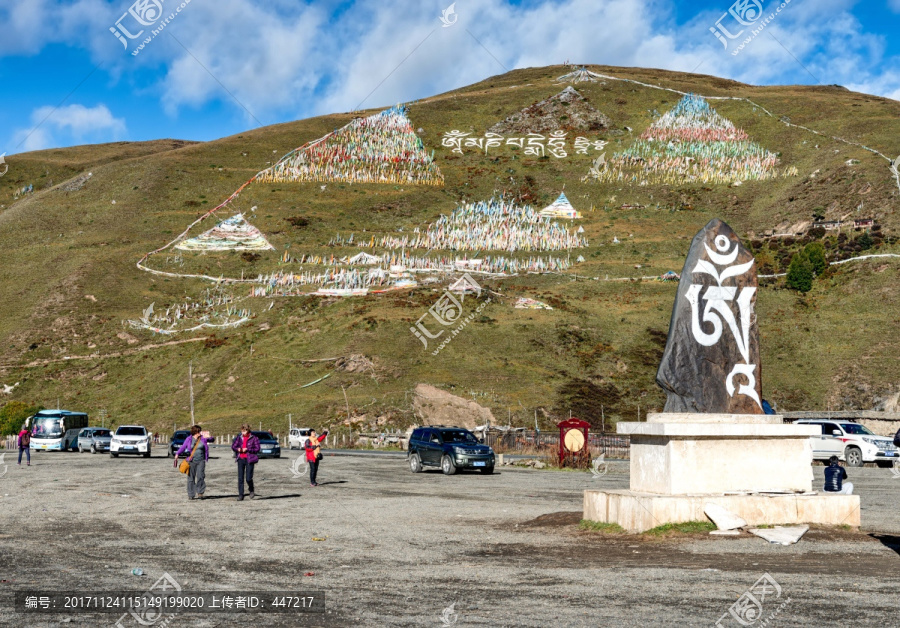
x=835 y=475
x=314 y=454
x=246 y=449
x=24 y=442
x=196 y=449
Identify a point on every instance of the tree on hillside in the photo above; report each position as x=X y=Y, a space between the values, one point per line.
x=13 y=415
x=815 y=253
x=865 y=241
x=800 y=273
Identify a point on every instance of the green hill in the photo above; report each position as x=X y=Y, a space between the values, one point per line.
x=70 y=281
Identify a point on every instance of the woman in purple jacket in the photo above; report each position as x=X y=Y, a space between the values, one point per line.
x=246 y=449
x=196 y=484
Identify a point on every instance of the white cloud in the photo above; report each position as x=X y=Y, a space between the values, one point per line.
x=70 y=124
x=894 y=5
x=283 y=59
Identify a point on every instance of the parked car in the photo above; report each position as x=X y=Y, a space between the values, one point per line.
x=70 y=439
x=130 y=439
x=298 y=437
x=851 y=442
x=268 y=445
x=94 y=439
x=176 y=441
x=450 y=448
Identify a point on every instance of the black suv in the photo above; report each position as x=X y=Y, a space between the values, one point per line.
x=450 y=448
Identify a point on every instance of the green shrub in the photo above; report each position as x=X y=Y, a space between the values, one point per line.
x=800 y=273
x=815 y=253
x=865 y=241
x=13 y=415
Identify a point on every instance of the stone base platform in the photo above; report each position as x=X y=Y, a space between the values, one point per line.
x=638 y=512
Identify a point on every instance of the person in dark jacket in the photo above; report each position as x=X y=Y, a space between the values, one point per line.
x=835 y=475
x=246 y=449
x=24 y=443
x=196 y=484
x=313 y=453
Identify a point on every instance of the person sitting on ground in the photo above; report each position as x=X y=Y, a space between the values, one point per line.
x=835 y=475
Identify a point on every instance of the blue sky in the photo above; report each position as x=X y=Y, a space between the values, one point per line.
x=220 y=67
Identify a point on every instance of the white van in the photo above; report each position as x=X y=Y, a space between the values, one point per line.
x=299 y=437
x=851 y=442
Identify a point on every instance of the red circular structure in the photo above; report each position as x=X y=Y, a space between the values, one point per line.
x=573 y=442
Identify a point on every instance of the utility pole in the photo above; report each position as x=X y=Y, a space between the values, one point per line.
x=191 y=385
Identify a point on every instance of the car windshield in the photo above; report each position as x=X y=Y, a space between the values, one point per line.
x=856 y=428
x=458 y=436
x=263 y=435
x=101 y=434
x=180 y=435
x=131 y=431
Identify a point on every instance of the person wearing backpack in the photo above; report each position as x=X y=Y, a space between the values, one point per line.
x=246 y=452
x=24 y=442
x=196 y=460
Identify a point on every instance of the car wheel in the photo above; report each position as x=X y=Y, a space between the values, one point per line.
x=884 y=464
x=415 y=465
x=93 y=449
x=147 y=455
x=113 y=455
x=487 y=470
x=447 y=466
x=80 y=449
x=168 y=452
x=854 y=457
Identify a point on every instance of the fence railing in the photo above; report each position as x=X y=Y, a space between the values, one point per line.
x=538 y=444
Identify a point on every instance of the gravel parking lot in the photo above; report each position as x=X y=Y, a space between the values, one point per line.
x=400 y=549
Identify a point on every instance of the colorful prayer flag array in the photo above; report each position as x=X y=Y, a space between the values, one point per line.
x=233 y=234
x=382 y=148
x=494 y=225
x=690 y=143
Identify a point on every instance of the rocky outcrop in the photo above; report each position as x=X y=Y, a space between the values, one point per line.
x=434 y=406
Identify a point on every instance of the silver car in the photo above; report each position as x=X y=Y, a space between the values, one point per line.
x=94 y=439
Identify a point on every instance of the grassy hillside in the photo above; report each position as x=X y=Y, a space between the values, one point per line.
x=70 y=278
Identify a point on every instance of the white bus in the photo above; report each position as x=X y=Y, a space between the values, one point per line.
x=48 y=428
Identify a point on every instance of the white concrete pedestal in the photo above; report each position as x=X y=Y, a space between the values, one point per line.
x=759 y=466
x=639 y=512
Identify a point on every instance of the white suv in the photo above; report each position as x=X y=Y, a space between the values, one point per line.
x=130 y=439
x=850 y=442
x=298 y=437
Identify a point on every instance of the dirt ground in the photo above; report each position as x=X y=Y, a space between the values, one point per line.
x=400 y=549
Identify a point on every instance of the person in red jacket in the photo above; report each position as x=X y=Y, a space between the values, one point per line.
x=314 y=454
